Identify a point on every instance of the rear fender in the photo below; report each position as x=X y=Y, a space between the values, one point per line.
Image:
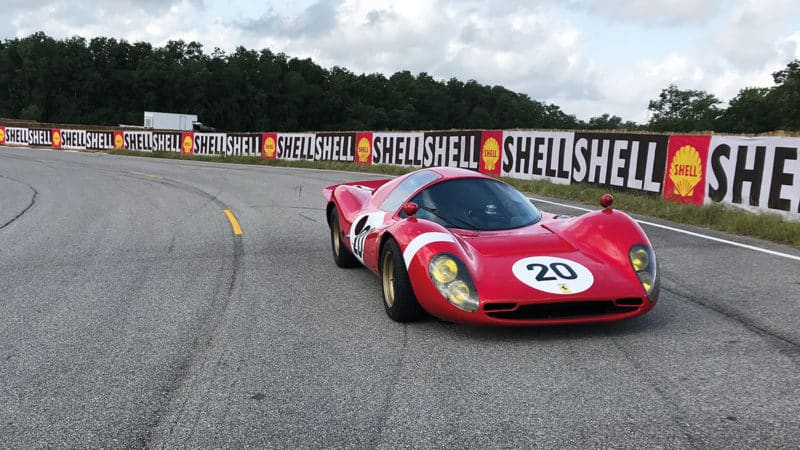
x=368 y=185
x=349 y=200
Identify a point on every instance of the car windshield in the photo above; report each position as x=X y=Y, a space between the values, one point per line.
x=477 y=204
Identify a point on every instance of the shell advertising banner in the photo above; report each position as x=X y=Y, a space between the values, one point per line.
x=491 y=156
x=398 y=149
x=452 y=149
x=269 y=145
x=187 y=143
x=538 y=155
x=55 y=138
x=364 y=148
x=685 y=180
x=15 y=136
x=755 y=173
x=99 y=140
x=119 y=140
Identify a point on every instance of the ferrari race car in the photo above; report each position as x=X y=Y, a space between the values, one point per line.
x=468 y=248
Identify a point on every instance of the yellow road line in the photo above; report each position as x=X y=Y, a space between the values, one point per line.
x=237 y=230
x=147 y=175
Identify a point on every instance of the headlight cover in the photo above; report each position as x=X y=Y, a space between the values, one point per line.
x=643 y=261
x=452 y=279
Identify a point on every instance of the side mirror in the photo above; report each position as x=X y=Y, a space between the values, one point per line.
x=410 y=209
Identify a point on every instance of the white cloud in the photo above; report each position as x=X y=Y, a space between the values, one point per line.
x=654 y=12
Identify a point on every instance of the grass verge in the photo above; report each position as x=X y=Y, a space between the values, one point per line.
x=771 y=227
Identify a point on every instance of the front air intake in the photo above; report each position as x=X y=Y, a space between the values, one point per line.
x=565 y=310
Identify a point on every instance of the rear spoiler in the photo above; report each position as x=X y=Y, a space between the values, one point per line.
x=369 y=185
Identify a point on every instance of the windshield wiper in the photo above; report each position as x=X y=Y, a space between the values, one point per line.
x=452 y=221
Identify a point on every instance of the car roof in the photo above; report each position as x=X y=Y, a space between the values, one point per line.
x=455 y=172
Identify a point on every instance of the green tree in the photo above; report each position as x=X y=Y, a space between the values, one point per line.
x=106 y=81
x=784 y=98
x=749 y=112
x=683 y=110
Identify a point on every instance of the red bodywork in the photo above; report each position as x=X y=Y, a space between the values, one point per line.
x=600 y=241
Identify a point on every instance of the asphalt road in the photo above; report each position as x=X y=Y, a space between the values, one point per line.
x=130 y=316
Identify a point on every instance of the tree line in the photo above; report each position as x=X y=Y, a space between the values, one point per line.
x=105 y=81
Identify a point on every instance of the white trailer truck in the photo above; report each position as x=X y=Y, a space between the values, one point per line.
x=169 y=121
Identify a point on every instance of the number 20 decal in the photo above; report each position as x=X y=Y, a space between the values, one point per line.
x=553 y=275
x=559 y=271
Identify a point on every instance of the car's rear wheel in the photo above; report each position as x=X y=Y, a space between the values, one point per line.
x=341 y=255
x=398 y=296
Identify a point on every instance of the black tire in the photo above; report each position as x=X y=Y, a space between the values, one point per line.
x=398 y=296
x=341 y=255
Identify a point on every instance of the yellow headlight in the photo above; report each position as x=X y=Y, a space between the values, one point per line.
x=444 y=269
x=639 y=258
x=458 y=293
x=647 y=280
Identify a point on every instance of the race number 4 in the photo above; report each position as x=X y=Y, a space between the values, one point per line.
x=365 y=223
x=553 y=275
x=358 y=242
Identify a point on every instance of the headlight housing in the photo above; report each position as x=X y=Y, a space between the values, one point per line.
x=643 y=261
x=452 y=279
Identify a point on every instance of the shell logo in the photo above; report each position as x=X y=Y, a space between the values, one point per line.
x=363 y=150
x=187 y=144
x=56 y=138
x=490 y=153
x=2 y=136
x=686 y=170
x=118 y=141
x=269 y=147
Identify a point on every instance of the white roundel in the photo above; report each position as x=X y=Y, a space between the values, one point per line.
x=553 y=275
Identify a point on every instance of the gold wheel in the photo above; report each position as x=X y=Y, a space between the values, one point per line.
x=388 y=278
x=336 y=236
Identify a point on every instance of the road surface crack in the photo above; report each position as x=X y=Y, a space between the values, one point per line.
x=385 y=412
x=30 y=205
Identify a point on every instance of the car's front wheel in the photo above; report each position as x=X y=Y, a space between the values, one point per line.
x=341 y=255
x=398 y=296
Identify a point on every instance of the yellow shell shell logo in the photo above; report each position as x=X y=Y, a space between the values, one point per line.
x=686 y=170
x=187 y=144
x=2 y=135
x=490 y=153
x=269 y=147
x=56 y=139
x=118 y=141
x=363 y=150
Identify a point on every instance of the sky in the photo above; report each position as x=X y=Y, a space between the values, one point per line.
x=590 y=57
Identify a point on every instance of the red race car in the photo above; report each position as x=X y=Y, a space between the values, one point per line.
x=468 y=248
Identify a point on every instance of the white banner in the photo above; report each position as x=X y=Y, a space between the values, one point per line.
x=296 y=146
x=16 y=136
x=208 y=144
x=40 y=136
x=538 y=155
x=140 y=141
x=242 y=144
x=398 y=149
x=73 y=139
x=99 y=140
x=757 y=174
x=166 y=141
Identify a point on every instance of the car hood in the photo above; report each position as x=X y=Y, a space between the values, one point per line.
x=533 y=239
x=536 y=263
